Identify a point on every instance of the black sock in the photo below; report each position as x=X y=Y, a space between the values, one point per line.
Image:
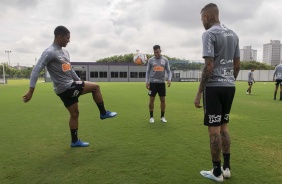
x=247 y=90
x=216 y=168
x=275 y=95
x=74 y=138
x=280 y=96
x=226 y=164
x=151 y=114
x=162 y=114
x=101 y=108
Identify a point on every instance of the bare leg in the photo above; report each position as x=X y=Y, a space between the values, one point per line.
x=225 y=138
x=74 y=114
x=93 y=88
x=215 y=143
x=151 y=103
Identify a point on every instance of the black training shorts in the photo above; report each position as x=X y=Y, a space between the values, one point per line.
x=278 y=82
x=217 y=105
x=250 y=83
x=157 y=88
x=70 y=96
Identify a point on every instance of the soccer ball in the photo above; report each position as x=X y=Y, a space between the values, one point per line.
x=139 y=58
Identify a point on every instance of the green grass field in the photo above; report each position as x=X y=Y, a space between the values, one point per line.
x=35 y=138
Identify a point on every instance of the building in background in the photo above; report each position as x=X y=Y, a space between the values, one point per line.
x=272 y=52
x=248 y=54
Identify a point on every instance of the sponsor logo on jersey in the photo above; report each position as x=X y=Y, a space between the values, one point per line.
x=224 y=61
x=227 y=71
x=66 y=67
x=158 y=68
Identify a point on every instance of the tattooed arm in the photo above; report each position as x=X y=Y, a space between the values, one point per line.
x=206 y=73
x=236 y=65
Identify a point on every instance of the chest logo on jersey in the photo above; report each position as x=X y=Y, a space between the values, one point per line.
x=66 y=67
x=158 y=68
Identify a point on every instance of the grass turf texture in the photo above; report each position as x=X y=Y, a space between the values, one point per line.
x=35 y=138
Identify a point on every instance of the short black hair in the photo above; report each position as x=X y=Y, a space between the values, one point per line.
x=210 y=6
x=156 y=47
x=61 y=30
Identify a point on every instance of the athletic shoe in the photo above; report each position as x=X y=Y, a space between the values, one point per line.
x=210 y=175
x=108 y=114
x=163 y=120
x=247 y=93
x=226 y=173
x=79 y=143
x=152 y=120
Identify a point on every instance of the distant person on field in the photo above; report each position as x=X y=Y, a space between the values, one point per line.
x=67 y=85
x=222 y=65
x=277 y=77
x=251 y=81
x=155 y=81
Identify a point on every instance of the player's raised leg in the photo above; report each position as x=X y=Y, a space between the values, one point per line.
x=94 y=88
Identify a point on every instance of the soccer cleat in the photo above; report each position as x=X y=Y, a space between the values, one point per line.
x=210 y=175
x=79 y=143
x=108 y=114
x=247 y=93
x=163 y=120
x=152 y=120
x=226 y=173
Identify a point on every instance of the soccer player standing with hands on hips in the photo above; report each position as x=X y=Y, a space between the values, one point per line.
x=222 y=65
x=67 y=85
x=277 y=77
x=155 y=81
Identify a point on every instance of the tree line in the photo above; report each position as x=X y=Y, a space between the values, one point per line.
x=182 y=64
x=17 y=72
x=175 y=64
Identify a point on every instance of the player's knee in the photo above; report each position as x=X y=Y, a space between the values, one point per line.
x=75 y=114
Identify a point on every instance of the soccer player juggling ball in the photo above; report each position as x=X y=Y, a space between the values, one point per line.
x=67 y=85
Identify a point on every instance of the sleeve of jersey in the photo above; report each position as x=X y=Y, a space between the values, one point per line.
x=42 y=62
x=237 y=49
x=148 y=71
x=169 y=75
x=74 y=76
x=208 y=44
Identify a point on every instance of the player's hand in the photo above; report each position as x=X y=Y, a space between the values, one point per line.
x=197 y=100
x=27 y=96
x=148 y=85
x=168 y=83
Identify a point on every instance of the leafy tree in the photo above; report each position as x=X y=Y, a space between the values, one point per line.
x=247 y=65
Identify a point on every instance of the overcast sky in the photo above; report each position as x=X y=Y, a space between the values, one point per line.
x=104 y=28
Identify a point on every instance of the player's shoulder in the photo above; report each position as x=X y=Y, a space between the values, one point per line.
x=164 y=58
x=151 y=58
x=50 y=50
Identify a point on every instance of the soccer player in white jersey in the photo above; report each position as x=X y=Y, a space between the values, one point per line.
x=251 y=81
x=155 y=81
x=67 y=85
x=222 y=64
